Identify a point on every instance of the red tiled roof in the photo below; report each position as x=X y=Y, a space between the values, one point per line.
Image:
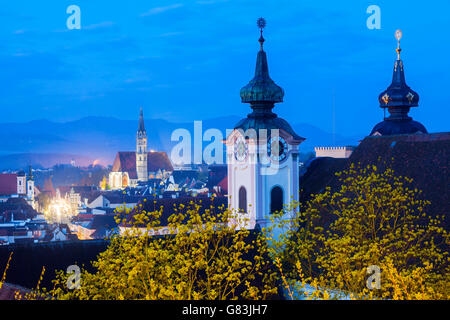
x=17 y=206
x=223 y=184
x=158 y=160
x=8 y=183
x=126 y=162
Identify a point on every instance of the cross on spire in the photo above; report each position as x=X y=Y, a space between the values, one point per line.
x=261 y=23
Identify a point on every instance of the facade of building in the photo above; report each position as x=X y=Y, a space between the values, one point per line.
x=20 y=184
x=20 y=223
x=113 y=200
x=262 y=152
x=131 y=168
x=77 y=197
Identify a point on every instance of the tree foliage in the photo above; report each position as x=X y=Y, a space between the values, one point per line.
x=371 y=218
x=198 y=255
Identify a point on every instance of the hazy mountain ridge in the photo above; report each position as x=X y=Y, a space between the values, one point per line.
x=99 y=138
x=40 y=160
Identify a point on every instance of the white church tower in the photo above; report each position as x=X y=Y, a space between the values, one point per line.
x=141 y=150
x=30 y=188
x=262 y=152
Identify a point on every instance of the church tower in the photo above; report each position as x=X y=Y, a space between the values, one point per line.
x=30 y=188
x=141 y=150
x=262 y=151
x=21 y=183
x=398 y=98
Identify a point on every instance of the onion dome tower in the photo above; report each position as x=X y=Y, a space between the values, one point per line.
x=398 y=98
x=262 y=93
x=262 y=152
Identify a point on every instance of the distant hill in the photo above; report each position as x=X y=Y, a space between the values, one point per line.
x=40 y=160
x=44 y=142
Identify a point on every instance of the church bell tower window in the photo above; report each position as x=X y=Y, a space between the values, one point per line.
x=276 y=199
x=242 y=199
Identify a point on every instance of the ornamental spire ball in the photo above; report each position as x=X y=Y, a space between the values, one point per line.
x=261 y=23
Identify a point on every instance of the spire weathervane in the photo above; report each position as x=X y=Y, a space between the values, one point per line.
x=261 y=23
x=398 y=36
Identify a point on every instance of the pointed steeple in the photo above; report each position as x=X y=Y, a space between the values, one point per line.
x=141 y=127
x=262 y=93
x=141 y=150
x=30 y=173
x=261 y=89
x=398 y=97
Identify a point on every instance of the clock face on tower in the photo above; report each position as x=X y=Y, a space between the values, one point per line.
x=277 y=148
x=240 y=149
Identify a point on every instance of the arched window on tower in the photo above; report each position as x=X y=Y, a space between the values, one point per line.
x=242 y=199
x=276 y=199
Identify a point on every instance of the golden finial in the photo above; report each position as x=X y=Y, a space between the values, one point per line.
x=398 y=36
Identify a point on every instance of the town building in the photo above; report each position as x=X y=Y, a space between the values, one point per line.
x=20 y=223
x=133 y=168
x=77 y=196
x=14 y=185
x=113 y=200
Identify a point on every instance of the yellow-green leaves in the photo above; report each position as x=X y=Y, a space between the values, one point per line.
x=202 y=256
x=373 y=217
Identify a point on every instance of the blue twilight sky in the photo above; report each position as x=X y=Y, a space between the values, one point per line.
x=187 y=60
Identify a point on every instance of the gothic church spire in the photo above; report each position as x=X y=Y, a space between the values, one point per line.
x=141 y=127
